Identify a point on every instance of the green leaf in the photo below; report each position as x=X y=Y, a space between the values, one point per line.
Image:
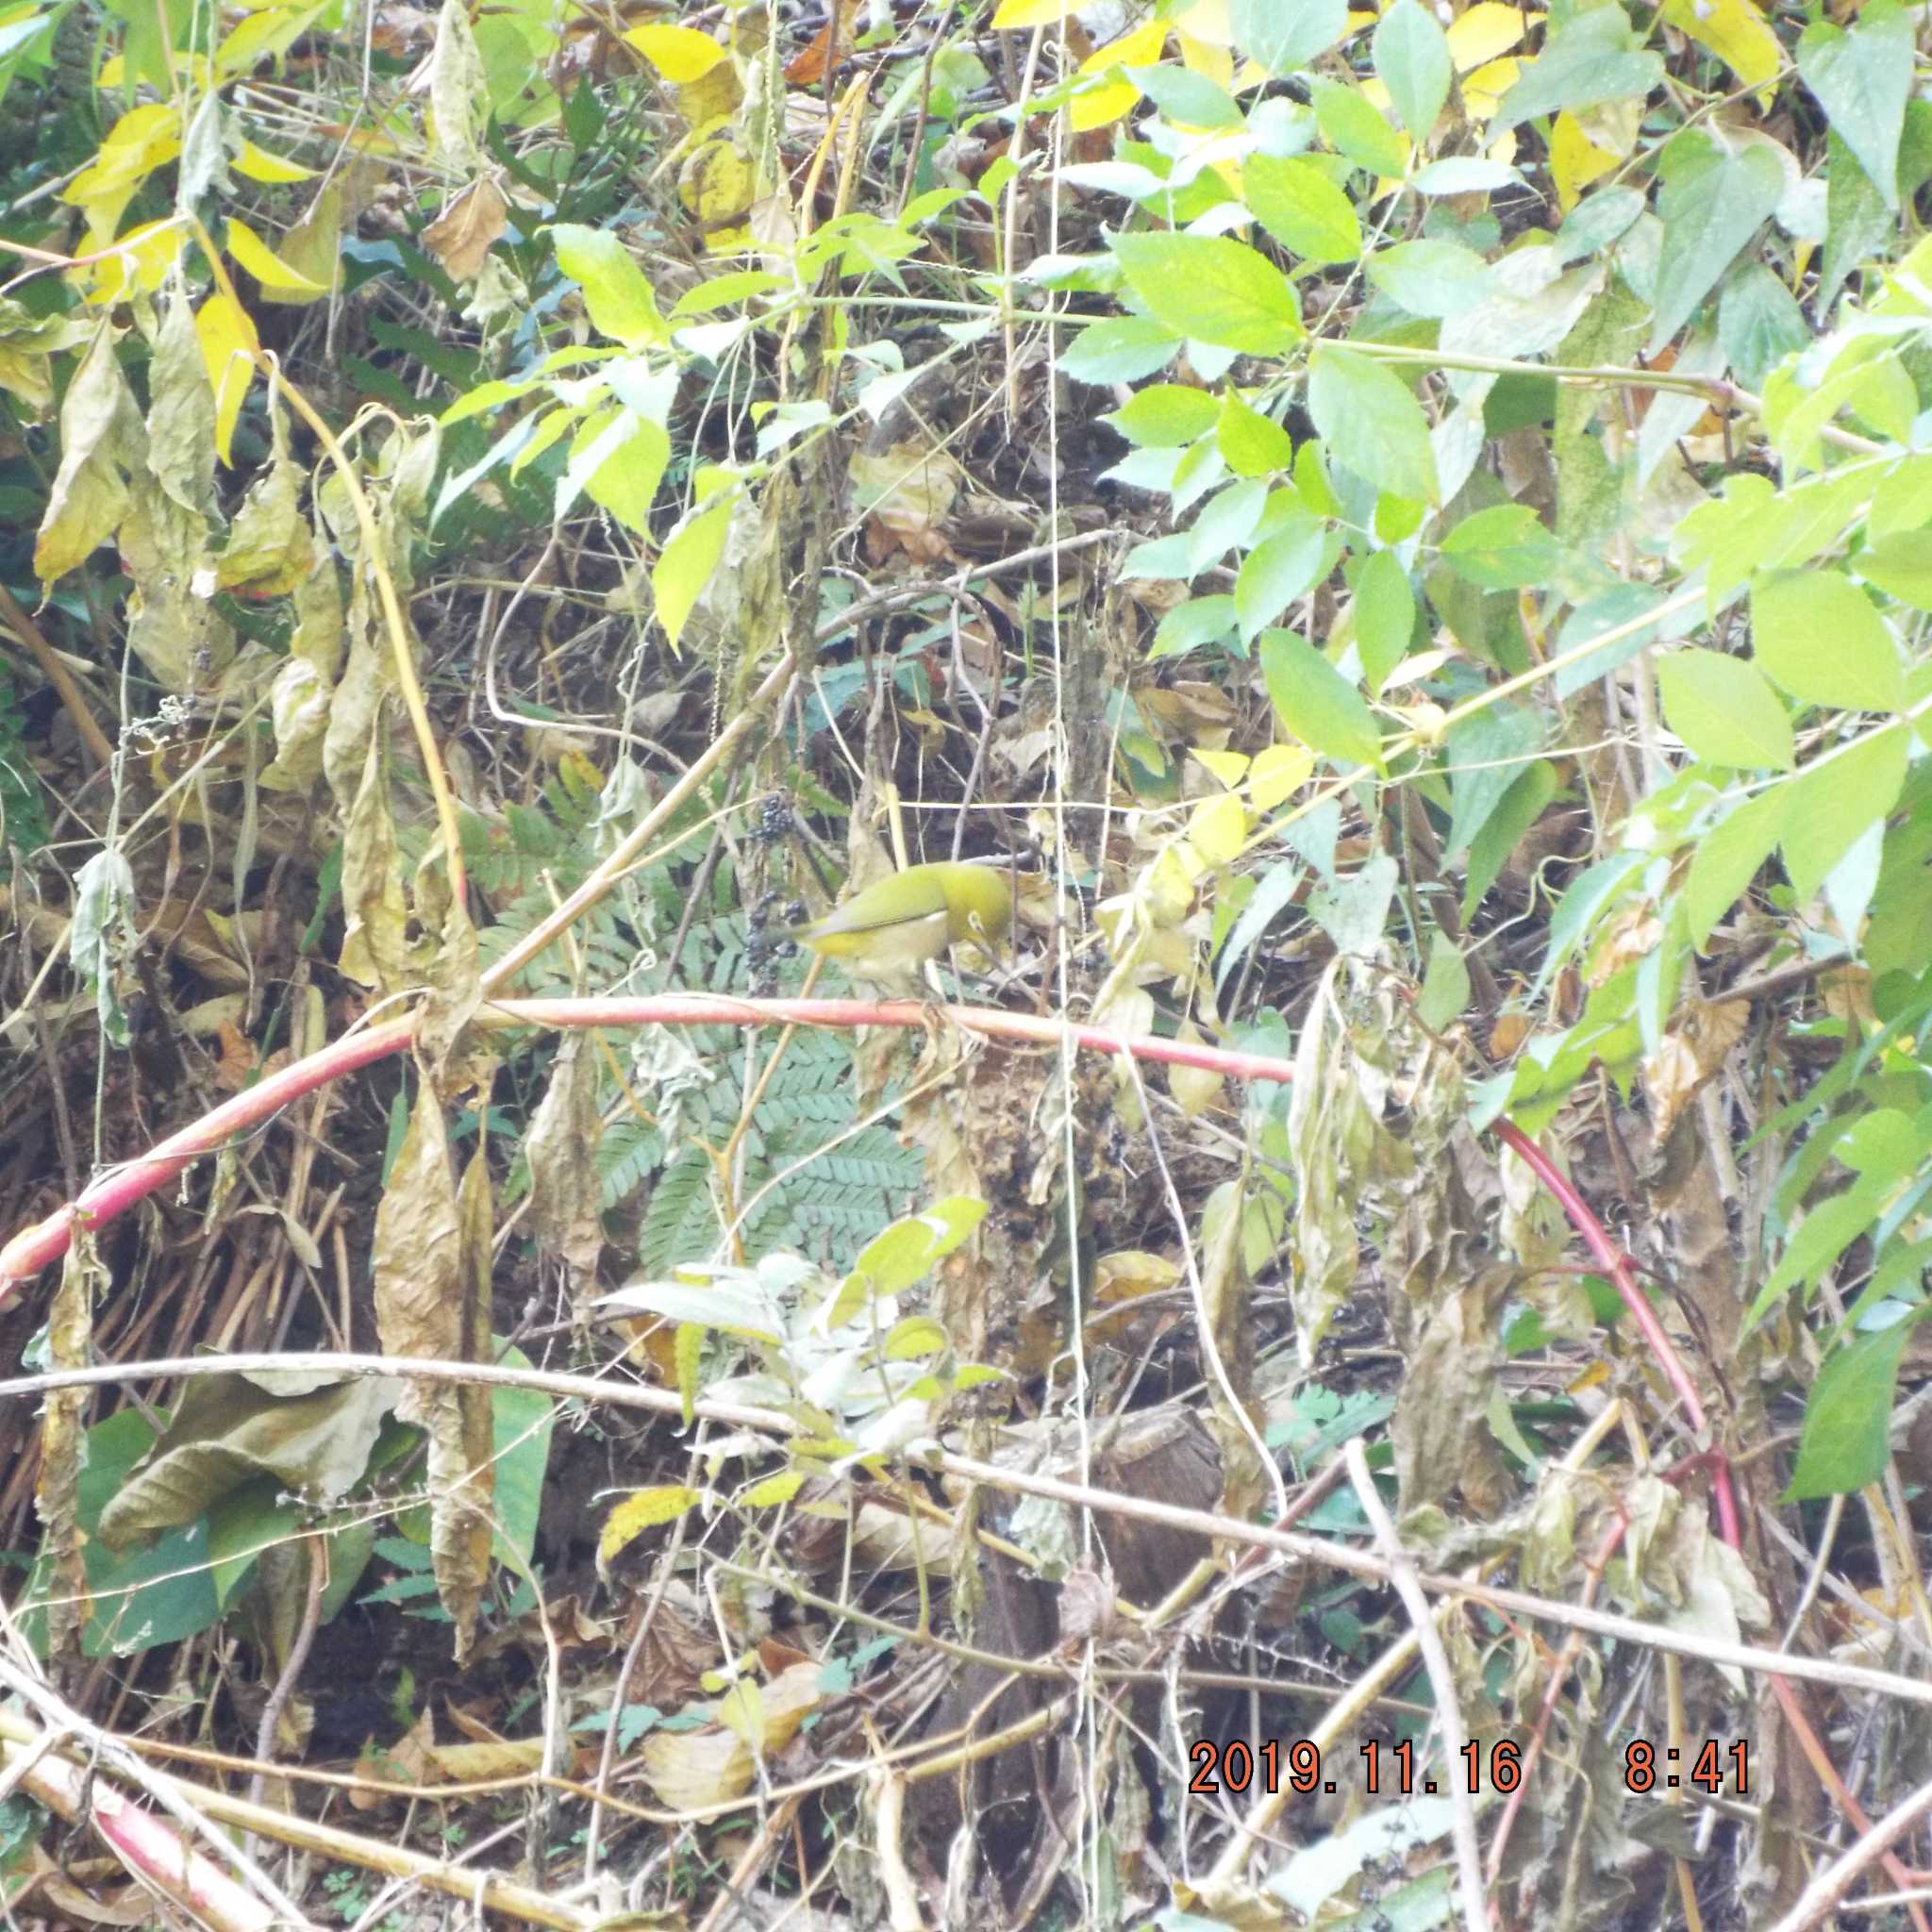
x=1371 y=423
x=1186 y=98
x=1592 y=56
x=1353 y=907
x=900 y=1254
x=1486 y=755
x=521 y=1422
x=1123 y=348
x=618 y=461
x=1523 y=805
x=142 y=1596
x=1608 y=610
x=1758 y=323
x=1445 y=985
x=1826 y=1232
x=1412 y=59
x=1275 y=573
x=1316 y=703
x=1727 y=858
x=1430 y=277
x=1900 y=565
x=1297 y=203
x=1712 y=201
x=1251 y=445
x=1272 y=895
x=249 y=1518
x=1858 y=224
x=1384 y=616
x=1465 y=175
x=1726 y=711
x=1501 y=549
x=691 y=554
x=1903 y=501
x=1284 y=36
x=619 y=299
x=1834 y=800
x=1213 y=289
x=1596 y=221
x=1353 y=125
x=1186 y=626
x=1164 y=415
x=1862 y=77
x=1845 y=1440
x=1817 y=633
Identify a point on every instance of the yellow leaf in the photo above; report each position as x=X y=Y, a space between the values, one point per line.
x=228 y=343
x=1486 y=29
x=679 y=53
x=774 y=1489
x=1576 y=161
x=144 y=139
x=1230 y=767
x=264 y=264
x=263 y=32
x=138 y=263
x=711 y=99
x=1014 y=14
x=689 y=1350
x=1141 y=48
x=1279 y=772
x=743 y=1708
x=1205 y=19
x=718 y=185
x=1101 y=106
x=1204 y=56
x=1483 y=90
x=1167 y=887
x=259 y=165
x=1734 y=30
x=640 y=1510
x=1218 y=828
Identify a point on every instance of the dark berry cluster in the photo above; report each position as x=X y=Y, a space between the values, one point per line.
x=776 y=822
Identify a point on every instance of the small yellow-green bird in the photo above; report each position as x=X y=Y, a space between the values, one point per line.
x=890 y=930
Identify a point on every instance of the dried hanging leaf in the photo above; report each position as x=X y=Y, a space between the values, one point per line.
x=1331 y=1135
x=457 y=82
x=270 y=549
x=63 y=1447
x=301 y=699
x=172 y=624
x=463 y=234
x=102 y=440
x=1694 y=1046
x=427 y=1298
x=376 y=950
x=566 y=1190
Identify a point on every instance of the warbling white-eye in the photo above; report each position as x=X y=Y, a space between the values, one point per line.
x=887 y=931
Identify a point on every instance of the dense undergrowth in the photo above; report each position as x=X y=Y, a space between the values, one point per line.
x=1405 y=532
